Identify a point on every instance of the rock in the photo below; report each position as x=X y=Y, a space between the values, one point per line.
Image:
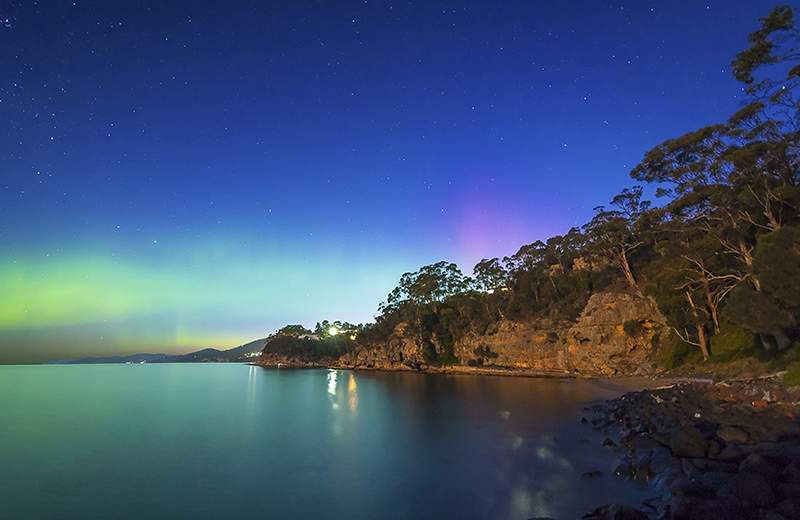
x=660 y=460
x=732 y=434
x=789 y=507
x=791 y=473
x=642 y=467
x=753 y=488
x=732 y=452
x=720 y=482
x=608 y=443
x=771 y=515
x=683 y=508
x=688 y=441
x=755 y=463
x=592 y=474
x=616 y=512
x=643 y=441
x=787 y=490
x=687 y=488
x=714 y=448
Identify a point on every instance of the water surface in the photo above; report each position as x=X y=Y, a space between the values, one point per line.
x=207 y=441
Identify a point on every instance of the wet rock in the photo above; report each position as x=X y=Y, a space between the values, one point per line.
x=714 y=448
x=688 y=441
x=788 y=490
x=688 y=488
x=608 y=443
x=789 y=507
x=660 y=460
x=791 y=473
x=755 y=463
x=642 y=467
x=592 y=474
x=616 y=512
x=731 y=452
x=753 y=488
x=732 y=434
x=707 y=452
x=771 y=515
x=683 y=508
x=643 y=441
x=720 y=482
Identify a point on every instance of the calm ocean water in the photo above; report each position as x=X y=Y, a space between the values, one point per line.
x=208 y=441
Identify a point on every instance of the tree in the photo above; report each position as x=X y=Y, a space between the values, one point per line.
x=293 y=330
x=774 y=310
x=430 y=284
x=490 y=275
x=613 y=234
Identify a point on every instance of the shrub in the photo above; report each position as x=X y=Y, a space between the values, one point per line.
x=672 y=353
x=792 y=376
x=633 y=328
x=732 y=342
x=447 y=358
x=485 y=352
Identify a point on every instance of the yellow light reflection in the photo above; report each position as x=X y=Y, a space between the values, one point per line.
x=352 y=390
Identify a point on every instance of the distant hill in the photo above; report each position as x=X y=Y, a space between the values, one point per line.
x=244 y=352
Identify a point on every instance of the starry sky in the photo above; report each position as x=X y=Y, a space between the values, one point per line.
x=177 y=175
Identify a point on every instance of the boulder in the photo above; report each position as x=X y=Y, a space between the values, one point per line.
x=688 y=441
x=616 y=512
x=753 y=488
x=755 y=463
x=789 y=507
x=732 y=434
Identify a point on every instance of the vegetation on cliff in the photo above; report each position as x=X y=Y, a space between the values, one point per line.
x=718 y=249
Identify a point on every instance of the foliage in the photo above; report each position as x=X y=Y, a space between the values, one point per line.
x=293 y=330
x=672 y=353
x=792 y=376
x=485 y=352
x=309 y=348
x=732 y=342
x=633 y=328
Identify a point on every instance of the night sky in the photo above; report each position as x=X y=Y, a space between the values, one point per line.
x=176 y=175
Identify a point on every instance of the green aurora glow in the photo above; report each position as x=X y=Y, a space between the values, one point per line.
x=193 y=296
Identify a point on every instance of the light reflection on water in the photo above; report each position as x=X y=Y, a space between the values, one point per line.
x=210 y=441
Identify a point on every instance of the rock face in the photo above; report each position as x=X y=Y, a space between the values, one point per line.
x=600 y=343
x=614 y=335
x=400 y=352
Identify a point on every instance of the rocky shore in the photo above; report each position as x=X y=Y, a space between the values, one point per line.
x=720 y=451
x=339 y=364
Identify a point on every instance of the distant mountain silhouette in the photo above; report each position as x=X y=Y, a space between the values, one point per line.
x=240 y=353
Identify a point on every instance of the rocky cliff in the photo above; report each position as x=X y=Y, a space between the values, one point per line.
x=615 y=334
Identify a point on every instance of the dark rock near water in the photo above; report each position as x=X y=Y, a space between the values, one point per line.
x=753 y=488
x=688 y=441
x=708 y=450
x=616 y=512
x=789 y=507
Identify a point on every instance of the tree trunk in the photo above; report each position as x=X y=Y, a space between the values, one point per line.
x=712 y=308
x=699 y=326
x=747 y=257
x=627 y=273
